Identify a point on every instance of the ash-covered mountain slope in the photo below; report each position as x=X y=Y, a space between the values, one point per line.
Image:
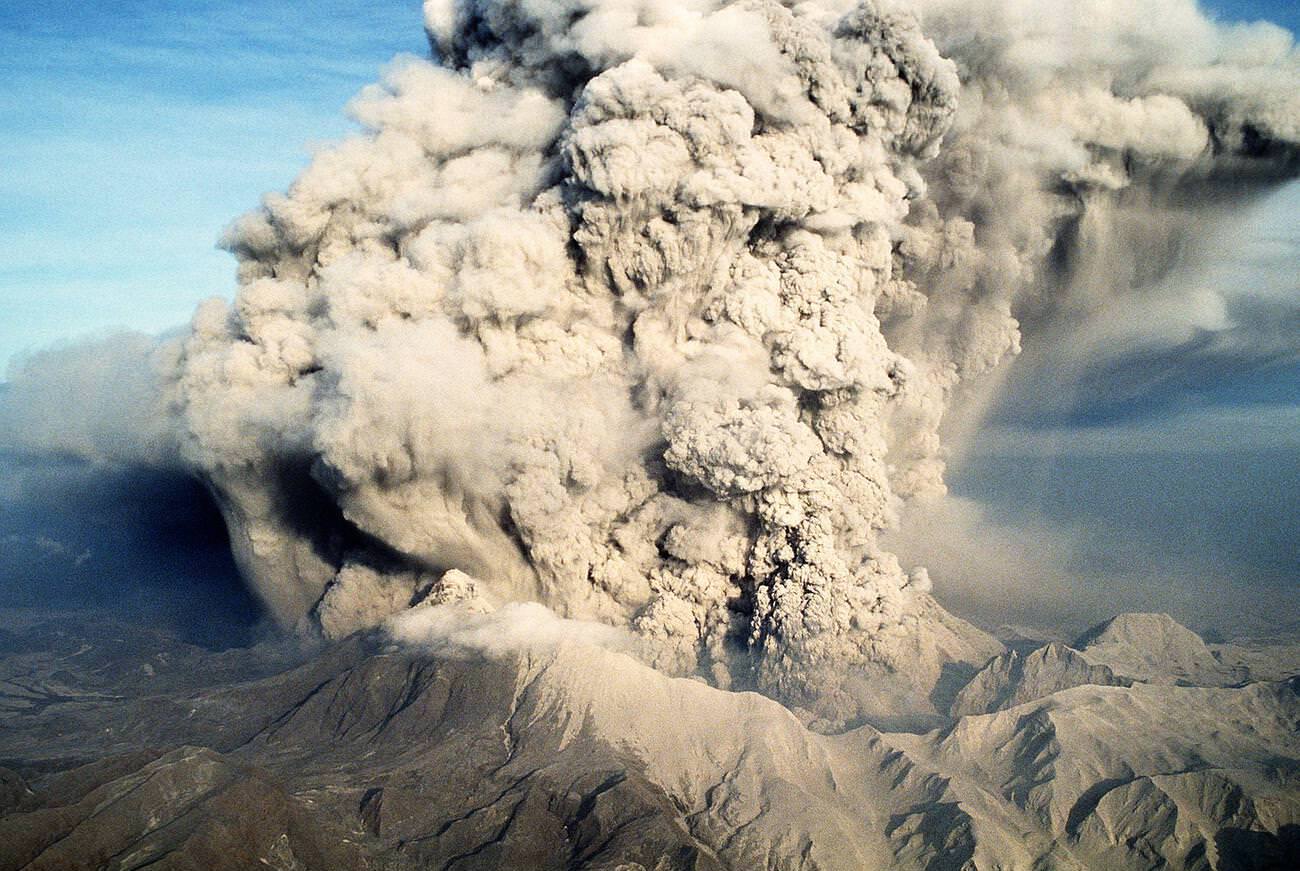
x=1127 y=649
x=372 y=754
x=1154 y=648
x=1273 y=655
x=1013 y=679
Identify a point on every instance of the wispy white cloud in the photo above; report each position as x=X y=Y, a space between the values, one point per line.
x=1207 y=430
x=515 y=627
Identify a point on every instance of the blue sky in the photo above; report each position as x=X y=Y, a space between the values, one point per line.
x=135 y=130
x=1283 y=12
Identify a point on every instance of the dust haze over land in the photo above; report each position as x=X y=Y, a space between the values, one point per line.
x=654 y=314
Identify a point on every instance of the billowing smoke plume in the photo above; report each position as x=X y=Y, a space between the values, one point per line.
x=651 y=311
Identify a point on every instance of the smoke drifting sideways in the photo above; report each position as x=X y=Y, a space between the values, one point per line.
x=96 y=513
x=653 y=312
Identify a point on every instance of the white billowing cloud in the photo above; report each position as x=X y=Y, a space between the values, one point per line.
x=652 y=312
x=520 y=627
x=589 y=317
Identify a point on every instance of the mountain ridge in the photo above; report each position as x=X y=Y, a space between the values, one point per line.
x=576 y=756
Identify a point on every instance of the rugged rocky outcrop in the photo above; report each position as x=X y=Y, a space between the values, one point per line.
x=1156 y=649
x=1013 y=679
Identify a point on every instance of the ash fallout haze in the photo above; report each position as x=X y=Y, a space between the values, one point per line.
x=673 y=434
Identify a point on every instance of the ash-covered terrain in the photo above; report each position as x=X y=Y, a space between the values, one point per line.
x=560 y=423
x=126 y=749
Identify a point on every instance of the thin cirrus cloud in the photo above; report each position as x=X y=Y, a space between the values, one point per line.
x=1208 y=430
x=1217 y=340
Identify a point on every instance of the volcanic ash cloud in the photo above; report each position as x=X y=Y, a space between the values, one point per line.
x=651 y=312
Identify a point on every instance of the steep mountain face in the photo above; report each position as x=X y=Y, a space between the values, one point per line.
x=1129 y=776
x=1012 y=679
x=1156 y=649
x=1143 y=648
x=372 y=754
